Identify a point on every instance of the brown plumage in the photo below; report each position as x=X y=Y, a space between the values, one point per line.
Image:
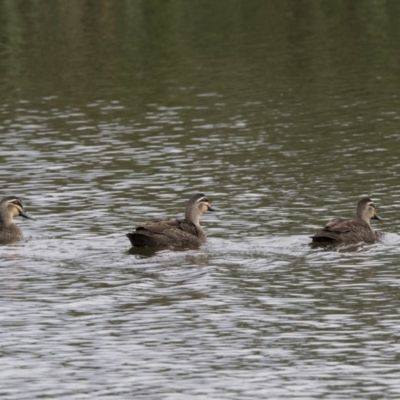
x=174 y=232
x=339 y=230
x=10 y=207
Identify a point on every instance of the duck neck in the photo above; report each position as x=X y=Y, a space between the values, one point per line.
x=363 y=216
x=192 y=216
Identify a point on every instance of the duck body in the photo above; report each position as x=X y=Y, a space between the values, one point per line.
x=10 y=233
x=340 y=230
x=174 y=232
x=10 y=207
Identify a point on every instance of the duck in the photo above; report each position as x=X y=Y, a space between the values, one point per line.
x=174 y=232
x=10 y=207
x=340 y=230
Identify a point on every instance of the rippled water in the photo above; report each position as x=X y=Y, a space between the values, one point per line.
x=280 y=132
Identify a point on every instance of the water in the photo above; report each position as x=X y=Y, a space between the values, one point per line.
x=284 y=114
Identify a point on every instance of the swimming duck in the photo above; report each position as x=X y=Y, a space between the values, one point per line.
x=339 y=230
x=10 y=207
x=174 y=232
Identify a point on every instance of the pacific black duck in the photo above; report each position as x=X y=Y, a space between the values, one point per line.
x=339 y=230
x=10 y=207
x=174 y=232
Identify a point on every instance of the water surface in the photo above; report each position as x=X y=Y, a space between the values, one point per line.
x=284 y=114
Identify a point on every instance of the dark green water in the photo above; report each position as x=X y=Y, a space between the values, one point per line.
x=284 y=113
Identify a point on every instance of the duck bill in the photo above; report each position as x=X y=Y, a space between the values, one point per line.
x=377 y=217
x=22 y=214
x=211 y=209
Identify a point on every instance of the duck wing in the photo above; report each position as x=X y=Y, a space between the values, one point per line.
x=333 y=230
x=338 y=225
x=158 y=226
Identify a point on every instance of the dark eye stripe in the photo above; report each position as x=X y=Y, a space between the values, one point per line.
x=17 y=203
